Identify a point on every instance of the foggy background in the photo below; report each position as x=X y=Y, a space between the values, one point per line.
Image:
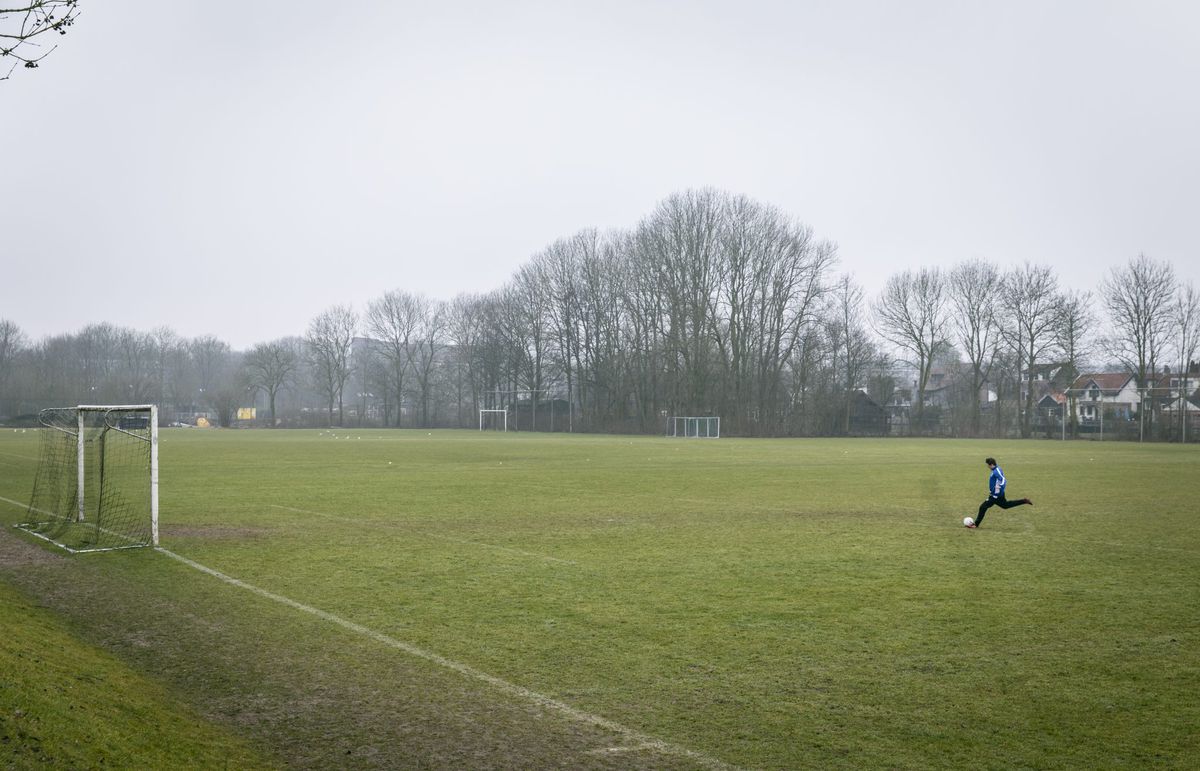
x=235 y=174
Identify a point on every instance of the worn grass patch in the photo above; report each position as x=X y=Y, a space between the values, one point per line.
x=763 y=603
x=66 y=704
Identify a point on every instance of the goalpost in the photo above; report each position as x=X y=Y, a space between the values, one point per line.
x=96 y=487
x=495 y=420
x=702 y=427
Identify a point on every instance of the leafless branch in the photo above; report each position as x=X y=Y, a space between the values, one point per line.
x=21 y=28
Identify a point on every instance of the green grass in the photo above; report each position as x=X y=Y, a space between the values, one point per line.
x=65 y=704
x=767 y=603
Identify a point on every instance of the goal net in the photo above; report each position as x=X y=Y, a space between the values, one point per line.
x=96 y=486
x=493 y=420
x=703 y=427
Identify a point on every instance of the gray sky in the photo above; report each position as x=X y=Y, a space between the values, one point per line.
x=237 y=174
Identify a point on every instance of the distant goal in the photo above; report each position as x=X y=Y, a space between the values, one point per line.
x=493 y=420
x=96 y=486
x=691 y=427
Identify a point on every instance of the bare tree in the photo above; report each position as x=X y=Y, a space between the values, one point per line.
x=557 y=267
x=224 y=400
x=973 y=288
x=681 y=237
x=369 y=373
x=526 y=316
x=464 y=328
x=803 y=380
x=394 y=319
x=603 y=350
x=1030 y=309
x=24 y=27
x=851 y=347
x=1138 y=298
x=12 y=342
x=328 y=344
x=771 y=279
x=1073 y=337
x=171 y=376
x=210 y=358
x=426 y=343
x=268 y=367
x=216 y=368
x=1187 y=344
x=136 y=375
x=95 y=355
x=911 y=314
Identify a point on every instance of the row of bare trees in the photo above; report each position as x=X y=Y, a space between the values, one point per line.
x=1006 y=327
x=107 y=364
x=703 y=308
x=713 y=304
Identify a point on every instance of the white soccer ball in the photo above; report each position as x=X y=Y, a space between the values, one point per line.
x=967 y=521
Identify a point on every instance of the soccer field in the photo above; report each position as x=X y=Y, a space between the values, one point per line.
x=406 y=598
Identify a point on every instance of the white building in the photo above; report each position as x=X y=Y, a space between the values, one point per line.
x=1114 y=393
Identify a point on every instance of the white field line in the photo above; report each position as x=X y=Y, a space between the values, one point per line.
x=468 y=542
x=633 y=737
x=22 y=505
x=619 y=750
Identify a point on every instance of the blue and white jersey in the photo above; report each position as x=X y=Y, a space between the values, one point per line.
x=996 y=482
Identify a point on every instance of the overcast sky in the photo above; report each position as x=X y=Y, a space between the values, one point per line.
x=238 y=173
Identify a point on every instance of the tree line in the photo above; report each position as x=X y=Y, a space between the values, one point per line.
x=712 y=304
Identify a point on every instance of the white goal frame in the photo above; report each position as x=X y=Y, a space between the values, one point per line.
x=501 y=412
x=81 y=477
x=694 y=426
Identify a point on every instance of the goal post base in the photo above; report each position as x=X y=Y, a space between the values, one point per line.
x=96 y=486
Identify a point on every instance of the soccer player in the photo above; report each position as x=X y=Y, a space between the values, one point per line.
x=996 y=485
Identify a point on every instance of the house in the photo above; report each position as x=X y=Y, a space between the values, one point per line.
x=943 y=388
x=867 y=417
x=1177 y=395
x=1101 y=395
x=1171 y=386
x=1052 y=405
x=1053 y=377
x=938 y=391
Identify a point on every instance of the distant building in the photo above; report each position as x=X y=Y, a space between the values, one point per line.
x=1178 y=394
x=867 y=418
x=1104 y=394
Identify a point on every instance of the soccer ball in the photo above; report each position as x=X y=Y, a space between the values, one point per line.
x=967 y=521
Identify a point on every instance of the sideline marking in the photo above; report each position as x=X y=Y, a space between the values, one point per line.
x=20 y=505
x=535 y=555
x=641 y=740
x=618 y=750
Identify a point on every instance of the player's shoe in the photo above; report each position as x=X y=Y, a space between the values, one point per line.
x=1029 y=501
x=971 y=526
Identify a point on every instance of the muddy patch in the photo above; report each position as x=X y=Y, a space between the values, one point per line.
x=213 y=532
x=17 y=551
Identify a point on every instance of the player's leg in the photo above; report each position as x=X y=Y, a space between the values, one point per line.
x=983 y=507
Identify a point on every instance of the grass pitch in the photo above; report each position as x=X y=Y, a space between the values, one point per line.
x=672 y=603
